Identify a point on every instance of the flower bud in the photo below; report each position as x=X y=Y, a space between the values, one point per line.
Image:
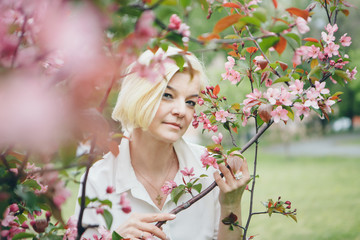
x=288 y=202
x=265 y=112
x=14 y=207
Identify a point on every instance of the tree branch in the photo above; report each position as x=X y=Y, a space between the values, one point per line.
x=213 y=185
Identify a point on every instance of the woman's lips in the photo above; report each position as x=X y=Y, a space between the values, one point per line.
x=174 y=124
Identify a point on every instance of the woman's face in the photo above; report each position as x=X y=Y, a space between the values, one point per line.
x=176 y=108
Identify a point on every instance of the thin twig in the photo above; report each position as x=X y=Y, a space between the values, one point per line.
x=232 y=138
x=80 y=227
x=253 y=184
x=336 y=11
x=327 y=11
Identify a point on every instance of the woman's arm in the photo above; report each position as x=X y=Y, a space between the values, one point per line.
x=231 y=191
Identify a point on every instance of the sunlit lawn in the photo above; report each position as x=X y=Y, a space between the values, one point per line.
x=325 y=191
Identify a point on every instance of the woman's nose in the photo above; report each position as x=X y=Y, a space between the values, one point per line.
x=179 y=108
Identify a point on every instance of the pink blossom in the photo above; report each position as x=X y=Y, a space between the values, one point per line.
x=279 y=114
x=125 y=203
x=175 y=22
x=14 y=207
x=328 y=38
x=221 y=115
x=285 y=97
x=200 y=101
x=105 y=233
x=331 y=29
x=61 y=194
x=168 y=187
x=245 y=116
x=320 y=87
x=272 y=95
x=71 y=229
x=351 y=74
x=232 y=75
x=312 y=98
x=187 y=172
x=230 y=63
x=345 y=40
x=260 y=62
x=313 y=51
x=297 y=87
x=207 y=160
x=217 y=139
x=328 y=103
x=301 y=109
x=332 y=49
x=302 y=26
x=8 y=218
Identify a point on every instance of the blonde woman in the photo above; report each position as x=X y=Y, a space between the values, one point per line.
x=155 y=115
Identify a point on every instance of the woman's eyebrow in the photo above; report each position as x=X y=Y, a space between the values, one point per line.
x=173 y=89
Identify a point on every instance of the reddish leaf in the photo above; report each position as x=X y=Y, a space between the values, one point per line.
x=283 y=65
x=216 y=90
x=275 y=3
x=231 y=5
x=298 y=12
x=234 y=54
x=345 y=12
x=235 y=129
x=226 y=22
x=280 y=45
x=208 y=36
x=251 y=50
x=280 y=20
x=311 y=40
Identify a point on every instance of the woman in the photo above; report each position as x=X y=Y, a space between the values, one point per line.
x=156 y=114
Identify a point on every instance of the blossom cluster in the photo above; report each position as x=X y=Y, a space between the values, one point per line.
x=176 y=24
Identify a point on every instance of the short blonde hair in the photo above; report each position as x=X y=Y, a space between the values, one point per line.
x=139 y=98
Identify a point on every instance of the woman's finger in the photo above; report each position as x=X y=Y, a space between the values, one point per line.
x=156 y=217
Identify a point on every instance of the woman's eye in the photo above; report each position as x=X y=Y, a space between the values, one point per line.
x=191 y=103
x=167 y=96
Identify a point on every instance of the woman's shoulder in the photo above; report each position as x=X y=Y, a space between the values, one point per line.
x=102 y=169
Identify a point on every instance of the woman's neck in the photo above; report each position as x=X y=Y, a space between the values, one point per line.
x=149 y=155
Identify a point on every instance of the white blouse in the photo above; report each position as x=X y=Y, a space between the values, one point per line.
x=200 y=221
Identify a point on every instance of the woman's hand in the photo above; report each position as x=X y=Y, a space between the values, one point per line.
x=140 y=226
x=231 y=188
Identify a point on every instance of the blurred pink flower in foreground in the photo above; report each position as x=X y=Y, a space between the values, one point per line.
x=168 y=187
x=125 y=203
x=32 y=115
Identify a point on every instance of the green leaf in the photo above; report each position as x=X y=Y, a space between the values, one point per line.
x=108 y=218
x=278 y=27
x=260 y=14
x=179 y=59
x=23 y=235
x=203 y=175
x=197 y=187
x=185 y=3
x=282 y=79
x=106 y=202
x=116 y=236
x=268 y=43
x=31 y=183
x=87 y=201
x=290 y=112
x=314 y=71
x=294 y=37
x=233 y=150
x=177 y=193
x=129 y=10
x=252 y=20
x=343 y=75
x=259 y=121
x=175 y=37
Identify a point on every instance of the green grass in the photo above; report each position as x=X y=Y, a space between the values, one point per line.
x=325 y=191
